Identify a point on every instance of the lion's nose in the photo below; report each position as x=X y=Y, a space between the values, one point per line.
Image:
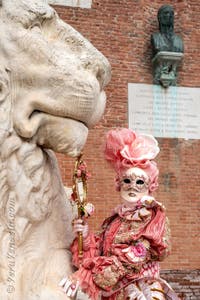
x=100 y=67
x=102 y=73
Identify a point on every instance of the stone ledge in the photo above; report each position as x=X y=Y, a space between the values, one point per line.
x=73 y=3
x=185 y=282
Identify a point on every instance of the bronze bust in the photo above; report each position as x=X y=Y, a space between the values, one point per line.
x=167 y=48
x=166 y=39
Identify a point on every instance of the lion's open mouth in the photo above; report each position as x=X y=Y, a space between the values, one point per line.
x=36 y=110
x=62 y=135
x=57 y=127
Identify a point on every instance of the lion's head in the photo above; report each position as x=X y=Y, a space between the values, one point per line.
x=56 y=77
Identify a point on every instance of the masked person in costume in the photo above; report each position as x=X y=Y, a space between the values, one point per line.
x=122 y=261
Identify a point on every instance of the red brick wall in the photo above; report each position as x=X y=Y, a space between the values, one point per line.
x=121 y=30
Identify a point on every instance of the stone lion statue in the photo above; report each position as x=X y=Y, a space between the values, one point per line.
x=51 y=92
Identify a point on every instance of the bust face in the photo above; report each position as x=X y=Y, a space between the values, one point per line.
x=134 y=185
x=166 y=16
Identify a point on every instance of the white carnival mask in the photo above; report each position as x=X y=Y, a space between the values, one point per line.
x=134 y=184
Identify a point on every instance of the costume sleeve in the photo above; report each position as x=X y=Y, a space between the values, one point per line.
x=158 y=241
x=91 y=248
x=156 y=232
x=97 y=273
x=162 y=249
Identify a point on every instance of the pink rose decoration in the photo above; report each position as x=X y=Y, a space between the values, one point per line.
x=135 y=254
x=139 y=250
x=79 y=173
x=82 y=170
x=143 y=147
x=126 y=148
x=88 y=209
x=83 y=167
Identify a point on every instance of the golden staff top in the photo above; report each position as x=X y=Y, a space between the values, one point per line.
x=80 y=193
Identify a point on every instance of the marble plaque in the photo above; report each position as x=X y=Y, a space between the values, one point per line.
x=173 y=112
x=74 y=3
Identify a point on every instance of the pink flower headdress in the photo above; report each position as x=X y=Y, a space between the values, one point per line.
x=126 y=149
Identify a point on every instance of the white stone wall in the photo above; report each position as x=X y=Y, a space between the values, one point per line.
x=74 y=3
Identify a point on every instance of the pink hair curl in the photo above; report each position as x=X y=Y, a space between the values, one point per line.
x=126 y=149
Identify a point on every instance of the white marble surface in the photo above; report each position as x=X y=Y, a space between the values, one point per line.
x=171 y=113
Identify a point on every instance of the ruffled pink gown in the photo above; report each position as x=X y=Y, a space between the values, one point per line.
x=122 y=261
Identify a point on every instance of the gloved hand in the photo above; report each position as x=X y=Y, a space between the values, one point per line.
x=80 y=225
x=69 y=286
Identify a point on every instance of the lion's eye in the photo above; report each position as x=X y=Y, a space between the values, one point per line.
x=126 y=180
x=139 y=181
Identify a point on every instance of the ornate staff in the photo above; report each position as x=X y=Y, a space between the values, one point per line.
x=79 y=195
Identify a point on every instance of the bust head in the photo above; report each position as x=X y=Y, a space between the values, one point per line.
x=166 y=17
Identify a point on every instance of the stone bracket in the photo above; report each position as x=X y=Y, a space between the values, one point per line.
x=165 y=67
